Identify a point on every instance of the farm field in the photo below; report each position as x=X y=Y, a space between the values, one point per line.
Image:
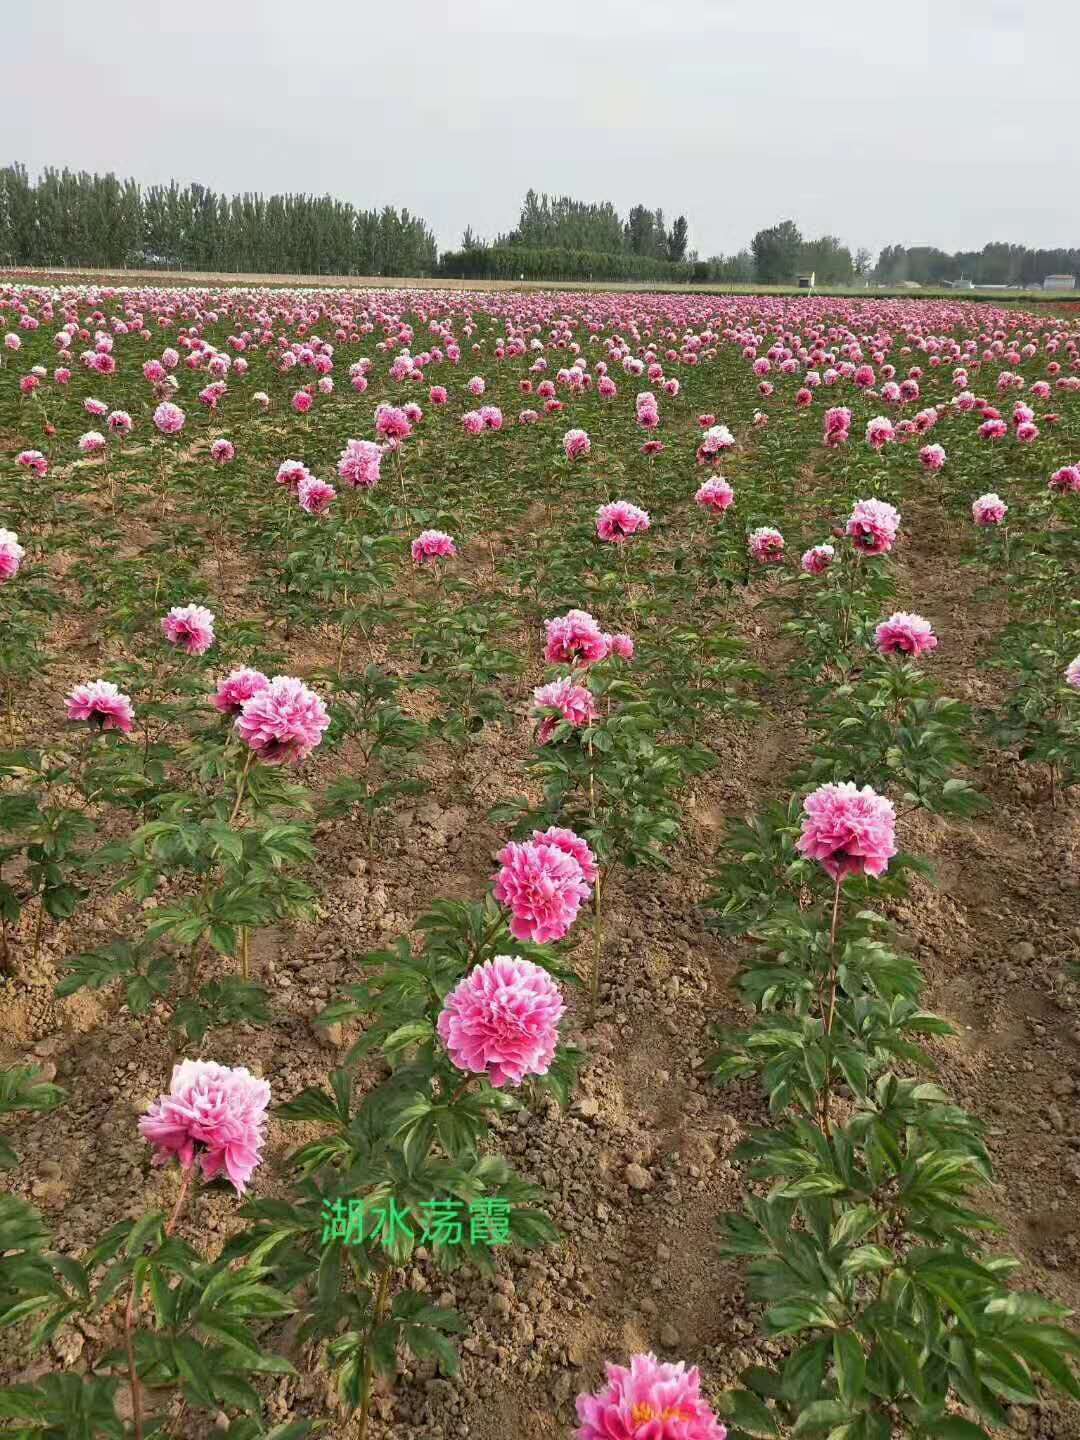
x=1059 y=302
x=434 y=626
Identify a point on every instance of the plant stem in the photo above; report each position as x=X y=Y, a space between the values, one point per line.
x=241 y=785
x=826 y=1099
x=381 y=1296
x=130 y=1308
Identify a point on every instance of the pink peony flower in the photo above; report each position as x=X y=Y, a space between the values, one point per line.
x=715 y=495
x=431 y=546
x=102 y=704
x=715 y=440
x=290 y=473
x=850 y=831
x=11 y=555
x=766 y=545
x=993 y=430
x=837 y=426
x=576 y=639
x=872 y=525
x=437 y=395
x=932 y=456
x=818 y=559
x=988 y=509
x=1072 y=673
x=189 y=628
x=574 y=704
x=576 y=444
x=543 y=886
x=33 y=460
x=236 y=689
x=880 y=432
x=570 y=844
x=904 y=634
x=476 y=386
x=1065 y=480
x=359 y=464
x=92 y=443
x=169 y=418
x=472 y=422
x=282 y=721
x=222 y=451
x=502 y=1020
x=652 y=1400
x=620 y=645
x=315 y=495
x=97 y=408
x=616 y=522
x=392 y=423
x=213 y=1115
x=1027 y=432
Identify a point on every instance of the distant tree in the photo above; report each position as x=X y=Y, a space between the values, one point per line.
x=827 y=260
x=777 y=253
x=639 y=230
x=677 y=238
x=731 y=269
x=863 y=262
x=470 y=240
x=658 y=238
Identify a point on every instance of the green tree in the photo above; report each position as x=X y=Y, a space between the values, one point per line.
x=677 y=238
x=777 y=253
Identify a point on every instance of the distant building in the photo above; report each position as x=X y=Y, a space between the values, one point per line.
x=1059 y=282
x=805 y=282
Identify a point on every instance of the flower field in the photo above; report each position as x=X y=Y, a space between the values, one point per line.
x=540 y=831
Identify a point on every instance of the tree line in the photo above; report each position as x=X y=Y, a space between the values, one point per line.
x=75 y=219
x=995 y=264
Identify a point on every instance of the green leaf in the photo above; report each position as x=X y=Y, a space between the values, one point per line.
x=850 y=1365
x=954 y=1427
x=744 y=1409
x=821 y=1415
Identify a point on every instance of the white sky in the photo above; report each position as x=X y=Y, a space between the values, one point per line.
x=948 y=122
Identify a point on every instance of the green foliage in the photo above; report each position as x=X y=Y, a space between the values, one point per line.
x=891 y=730
x=21 y=1088
x=615 y=782
x=71 y=219
x=1040 y=716
x=863 y=1245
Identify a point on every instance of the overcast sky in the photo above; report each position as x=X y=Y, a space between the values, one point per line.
x=948 y=122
